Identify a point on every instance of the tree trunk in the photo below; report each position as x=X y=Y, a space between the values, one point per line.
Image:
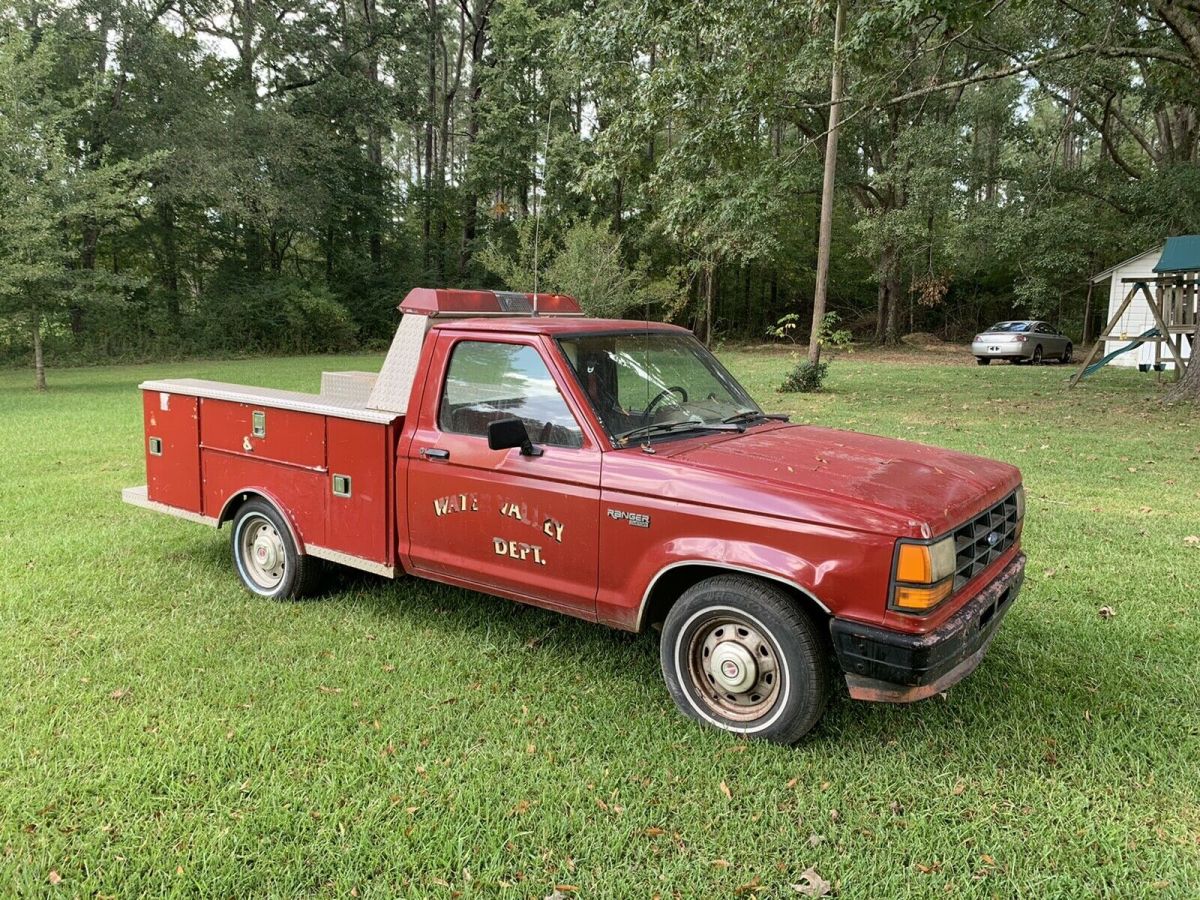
x=1188 y=387
x=39 y=363
x=887 y=305
x=479 y=23
x=708 y=305
x=826 y=231
x=430 y=117
x=374 y=149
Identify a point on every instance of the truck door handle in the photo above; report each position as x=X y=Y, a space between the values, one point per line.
x=434 y=453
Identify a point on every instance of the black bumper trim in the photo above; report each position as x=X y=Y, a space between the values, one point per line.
x=882 y=658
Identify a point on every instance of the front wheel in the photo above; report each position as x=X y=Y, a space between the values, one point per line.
x=265 y=555
x=737 y=653
x=1067 y=354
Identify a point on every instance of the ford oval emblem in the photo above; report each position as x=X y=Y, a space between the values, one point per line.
x=993 y=538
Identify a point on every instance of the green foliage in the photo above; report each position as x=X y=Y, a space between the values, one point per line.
x=806 y=378
x=279 y=315
x=673 y=153
x=588 y=264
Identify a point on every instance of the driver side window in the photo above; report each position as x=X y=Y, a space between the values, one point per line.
x=488 y=381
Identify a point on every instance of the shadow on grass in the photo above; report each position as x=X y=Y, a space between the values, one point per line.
x=1000 y=715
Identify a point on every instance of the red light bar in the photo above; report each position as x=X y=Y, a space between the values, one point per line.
x=436 y=302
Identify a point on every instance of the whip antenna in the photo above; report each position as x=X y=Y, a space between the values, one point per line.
x=537 y=208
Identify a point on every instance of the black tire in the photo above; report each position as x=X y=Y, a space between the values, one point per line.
x=1036 y=359
x=1067 y=354
x=295 y=574
x=982 y=360
x=731 y=617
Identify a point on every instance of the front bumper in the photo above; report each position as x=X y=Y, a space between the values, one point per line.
x=893 y=667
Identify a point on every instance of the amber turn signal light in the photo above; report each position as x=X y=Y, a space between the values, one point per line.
x=924 y=575
x=921 y=599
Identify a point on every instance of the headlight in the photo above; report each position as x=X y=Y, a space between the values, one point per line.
x=1020 y=502
x=924 y=575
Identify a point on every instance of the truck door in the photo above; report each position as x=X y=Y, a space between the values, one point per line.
x=526 y=526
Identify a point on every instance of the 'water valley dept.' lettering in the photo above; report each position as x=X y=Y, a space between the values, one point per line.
x=547 y=525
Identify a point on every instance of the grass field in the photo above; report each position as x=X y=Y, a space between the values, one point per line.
x=163 y=731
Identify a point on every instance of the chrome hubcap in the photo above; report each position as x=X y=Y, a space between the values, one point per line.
x=263 y=552
x=735 y=668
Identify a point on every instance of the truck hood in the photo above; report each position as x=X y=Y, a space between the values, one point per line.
x=929 y=489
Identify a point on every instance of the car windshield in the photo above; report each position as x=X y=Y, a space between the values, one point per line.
x=645 y=384
x=1011 y=326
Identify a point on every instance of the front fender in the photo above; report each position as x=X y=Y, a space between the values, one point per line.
x=845 y=573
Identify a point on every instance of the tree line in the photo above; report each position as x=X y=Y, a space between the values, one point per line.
x=200 y=176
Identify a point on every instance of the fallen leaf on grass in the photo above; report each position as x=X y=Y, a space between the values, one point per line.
x=55 y=878
x=811 y=884
x=653 y=831
x=328 y=690
x=958 y=789
x=1192 y=540
x=930 y=869
x=725 y=790
x=1106 y=612
x=815 y=840
x=792 y=782
x=119 y=694
x=750 y=887
x=721 y=863
x=835 y=816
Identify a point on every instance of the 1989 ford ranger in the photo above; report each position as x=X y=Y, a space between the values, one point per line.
x=615 y=471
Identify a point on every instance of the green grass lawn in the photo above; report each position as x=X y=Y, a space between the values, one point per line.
x=162 y=730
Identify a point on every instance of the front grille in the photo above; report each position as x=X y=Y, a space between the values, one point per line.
x=973 y=552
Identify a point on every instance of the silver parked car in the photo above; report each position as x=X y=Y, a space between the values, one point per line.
x=1024 y=340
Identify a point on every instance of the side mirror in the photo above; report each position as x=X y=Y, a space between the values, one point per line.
x=504 y=434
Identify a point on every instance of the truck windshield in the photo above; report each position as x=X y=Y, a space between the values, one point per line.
x=645 y=384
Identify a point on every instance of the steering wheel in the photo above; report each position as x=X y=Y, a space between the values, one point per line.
x=660 y=397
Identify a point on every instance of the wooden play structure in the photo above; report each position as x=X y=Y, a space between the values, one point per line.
x=1171 y=295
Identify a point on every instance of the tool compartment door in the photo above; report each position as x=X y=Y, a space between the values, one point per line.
x=263 y=432
x=358 y=500
x=172 y=434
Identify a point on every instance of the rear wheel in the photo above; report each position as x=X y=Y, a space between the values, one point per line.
x=1036 y=359
x=266 y=557
x=982 y=360
x=737 y=653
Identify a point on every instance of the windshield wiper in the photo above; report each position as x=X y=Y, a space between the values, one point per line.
x=665 y=427
x=747 y=415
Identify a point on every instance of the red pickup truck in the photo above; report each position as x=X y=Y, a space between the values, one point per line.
x=615 y=471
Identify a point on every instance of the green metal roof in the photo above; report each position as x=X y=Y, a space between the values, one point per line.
x=1181 y=254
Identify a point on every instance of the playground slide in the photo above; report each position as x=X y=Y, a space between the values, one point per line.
x=1109 y=357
